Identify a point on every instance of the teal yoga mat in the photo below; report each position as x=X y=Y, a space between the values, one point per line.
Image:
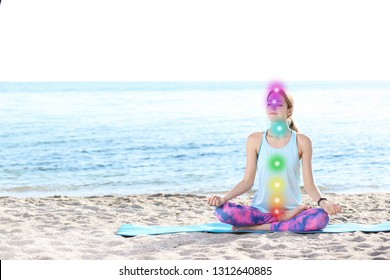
x=134 y=230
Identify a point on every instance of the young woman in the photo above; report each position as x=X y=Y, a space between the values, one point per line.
x=276 y=153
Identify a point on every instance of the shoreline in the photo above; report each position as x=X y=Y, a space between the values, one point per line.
x=323 y=189
x=78 y=228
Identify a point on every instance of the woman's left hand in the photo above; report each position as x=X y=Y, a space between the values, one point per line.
x=332 y=208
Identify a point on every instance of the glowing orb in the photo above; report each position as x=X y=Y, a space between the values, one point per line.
x=277 y=163
x=277 y=184
x=277 y=200
x=279 y=128
x=276 y=86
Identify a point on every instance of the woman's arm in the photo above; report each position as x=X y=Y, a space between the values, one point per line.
x=308 y=181
x=249 y=177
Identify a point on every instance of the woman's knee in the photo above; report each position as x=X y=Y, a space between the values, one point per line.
x=319 y=220
x=218 y=211
x=221 y=212
x=234 y=214
x=323 y=218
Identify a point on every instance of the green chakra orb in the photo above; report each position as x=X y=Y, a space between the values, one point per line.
x=277 y=163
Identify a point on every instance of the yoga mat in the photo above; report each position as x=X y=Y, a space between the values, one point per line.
x=134 y=230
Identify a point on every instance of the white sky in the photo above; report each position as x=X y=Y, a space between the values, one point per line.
x=197 y=40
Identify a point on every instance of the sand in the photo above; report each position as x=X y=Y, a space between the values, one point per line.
x=80 y=228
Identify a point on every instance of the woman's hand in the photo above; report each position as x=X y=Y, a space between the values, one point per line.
x=332 y=208
x=215 y=200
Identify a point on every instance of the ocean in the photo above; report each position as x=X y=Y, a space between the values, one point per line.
x=112 y=138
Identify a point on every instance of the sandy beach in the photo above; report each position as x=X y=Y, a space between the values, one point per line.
x=79 y=228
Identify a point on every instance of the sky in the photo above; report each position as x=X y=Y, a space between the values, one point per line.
x=194 y=40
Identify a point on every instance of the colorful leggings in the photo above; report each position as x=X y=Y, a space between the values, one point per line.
x=242 y=215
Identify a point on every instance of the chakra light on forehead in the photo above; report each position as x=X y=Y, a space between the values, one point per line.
x=274 y=100
x=276 y=88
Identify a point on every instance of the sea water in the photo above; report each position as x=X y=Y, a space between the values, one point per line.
x=84 y=139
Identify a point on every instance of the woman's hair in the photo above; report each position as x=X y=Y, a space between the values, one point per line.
x=290 y=105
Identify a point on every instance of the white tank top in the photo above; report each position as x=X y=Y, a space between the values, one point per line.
x=290 y=175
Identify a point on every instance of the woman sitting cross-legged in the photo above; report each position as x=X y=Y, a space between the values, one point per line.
x=277 y=153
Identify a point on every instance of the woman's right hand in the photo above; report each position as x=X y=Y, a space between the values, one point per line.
x=215 y=200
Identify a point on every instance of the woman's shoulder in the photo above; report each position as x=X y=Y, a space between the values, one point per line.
x=255 y=139
x=258 y=135
x=303 y=139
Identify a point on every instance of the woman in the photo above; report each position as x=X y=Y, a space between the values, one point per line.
x=276 y=153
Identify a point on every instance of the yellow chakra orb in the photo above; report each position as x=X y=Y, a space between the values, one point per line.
x=277 y=183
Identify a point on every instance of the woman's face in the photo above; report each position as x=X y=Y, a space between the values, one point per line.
x=276 y=107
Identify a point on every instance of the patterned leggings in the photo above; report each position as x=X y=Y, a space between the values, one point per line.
x=242 y=215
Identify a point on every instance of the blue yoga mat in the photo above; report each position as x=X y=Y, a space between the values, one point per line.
x=134 y=230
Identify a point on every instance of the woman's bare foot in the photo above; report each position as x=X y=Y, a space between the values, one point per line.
x=289 y=214
x=256 y=227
